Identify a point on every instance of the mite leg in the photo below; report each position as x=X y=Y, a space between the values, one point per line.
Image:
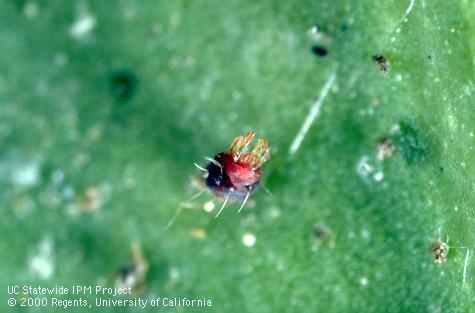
x=224 y=204
x=180 y=208
x=244 y=202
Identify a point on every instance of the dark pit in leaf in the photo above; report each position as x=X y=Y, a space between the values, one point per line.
x=319 y=51
x=412 y=144
x=123 y=84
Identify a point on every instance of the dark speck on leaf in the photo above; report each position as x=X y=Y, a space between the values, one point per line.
x=323 y=235
x=320 y=230
x=123 y=84
x=344 y=28
x=383 y=64
x=319 y=50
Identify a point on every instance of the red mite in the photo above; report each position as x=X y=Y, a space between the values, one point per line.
x=235 y=174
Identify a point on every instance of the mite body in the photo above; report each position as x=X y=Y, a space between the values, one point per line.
x=237 y=184
x=235 y=174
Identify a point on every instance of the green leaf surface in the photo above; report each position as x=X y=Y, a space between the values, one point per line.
x=106 y=105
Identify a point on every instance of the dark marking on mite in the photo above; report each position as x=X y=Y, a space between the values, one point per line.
x=217 y=177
